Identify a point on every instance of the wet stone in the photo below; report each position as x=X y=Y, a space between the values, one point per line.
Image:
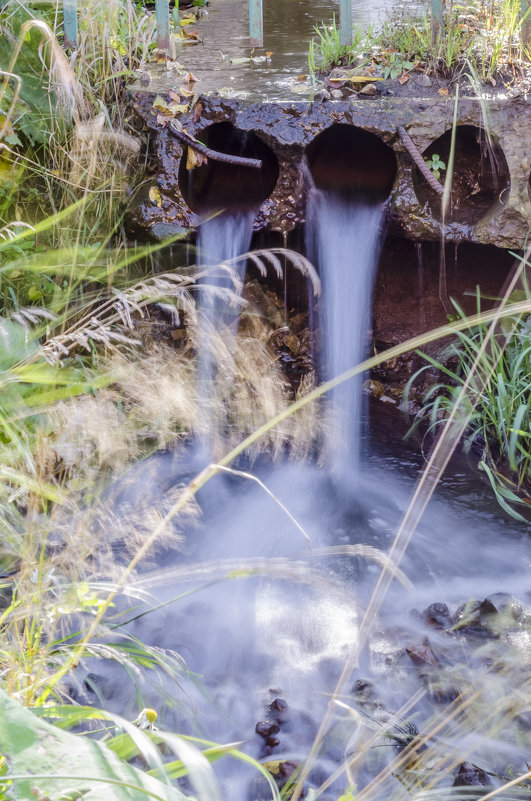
x=278 y=710
x=266 y=728
x=503 y=603
x=437 y=616
x=469 y=775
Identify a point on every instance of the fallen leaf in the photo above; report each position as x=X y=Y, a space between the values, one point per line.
x=194 y=159
x=362 y=79
x=174 y=96
x=443 y=91
x=160 y=103
x=155 y=196
x=269 y=54
x=190 y=78
x=191 y=34
x=302 y=77
x=198 y=108
x=162 y=120
x=403 y=79
x=186 y=92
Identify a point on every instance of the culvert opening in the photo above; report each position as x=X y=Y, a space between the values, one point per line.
x=480 y=179
x=352 y=162
x=216 y=186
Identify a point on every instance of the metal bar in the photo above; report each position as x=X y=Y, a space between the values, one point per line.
x=525 y=30
x=436 y=20
x=70 y=23
x=345 y=22
x=226 y=158
x=256 y=23
x=162 y=13
x=416 y=155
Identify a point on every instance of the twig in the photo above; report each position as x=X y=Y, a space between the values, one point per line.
x=416 y=155
x=226 y=158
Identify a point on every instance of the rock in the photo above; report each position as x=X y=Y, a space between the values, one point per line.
x=469 y=775
x=369 y=90
x=336 y=94
x=437 y=616
x=374 y=388
x=503 y=603
x=278 y=709
x=423 y=80
x=422 y=654
x=266 y=728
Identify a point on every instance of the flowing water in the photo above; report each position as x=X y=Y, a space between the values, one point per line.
x=222 y=239
x=264 y=610
x=344 y=237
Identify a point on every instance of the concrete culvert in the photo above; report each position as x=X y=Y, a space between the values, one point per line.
x=215 y=186
x=480 y=178
x=351 y=161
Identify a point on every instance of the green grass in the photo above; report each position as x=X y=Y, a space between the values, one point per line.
x=497 y=403
x=484 y=34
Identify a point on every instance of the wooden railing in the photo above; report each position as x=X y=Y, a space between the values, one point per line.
x=256 y=22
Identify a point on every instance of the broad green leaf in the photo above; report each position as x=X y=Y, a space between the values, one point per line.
x=56 y=762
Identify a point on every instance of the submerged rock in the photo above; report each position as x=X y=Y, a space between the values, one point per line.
x=469 y=775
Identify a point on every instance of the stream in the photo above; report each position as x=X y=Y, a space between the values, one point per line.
x=266 y=600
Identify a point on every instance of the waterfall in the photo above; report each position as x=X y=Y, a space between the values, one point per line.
x=343 y=238
x=221 y=238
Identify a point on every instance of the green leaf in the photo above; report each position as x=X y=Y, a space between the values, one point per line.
x=55 y=762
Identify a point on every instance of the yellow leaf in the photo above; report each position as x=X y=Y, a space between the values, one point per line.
x=186 y=92
x=361 y=79
x=155 y=196
x=194 y=159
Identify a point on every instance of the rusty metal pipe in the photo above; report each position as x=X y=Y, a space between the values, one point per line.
x=416 y=155
x=226 y=158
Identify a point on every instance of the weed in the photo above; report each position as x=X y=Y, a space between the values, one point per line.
x=436 y=165
x=498 y=406
x=326 y=50
x=485 y=34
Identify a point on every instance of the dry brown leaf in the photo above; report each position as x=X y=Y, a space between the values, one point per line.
x=443 y=91
x=190 y=78
x=174 y=96
x=194 y=159
x=198 y=108
x=191 y=34
x=186 y=92
x=403 y=79
x=301 y=77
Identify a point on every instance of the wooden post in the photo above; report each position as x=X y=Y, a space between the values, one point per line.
x=162 y=13
x=436 y=20
x=525 y=29
x=345 y=22
x=70 y=23
x=256 y=23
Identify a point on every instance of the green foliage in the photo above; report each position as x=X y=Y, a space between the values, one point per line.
x=396 y=65
x=498 y=401
x=481 y=33
x=436 y=165
x=326 y=50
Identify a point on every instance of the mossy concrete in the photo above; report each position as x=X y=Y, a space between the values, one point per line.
x=289 y=127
